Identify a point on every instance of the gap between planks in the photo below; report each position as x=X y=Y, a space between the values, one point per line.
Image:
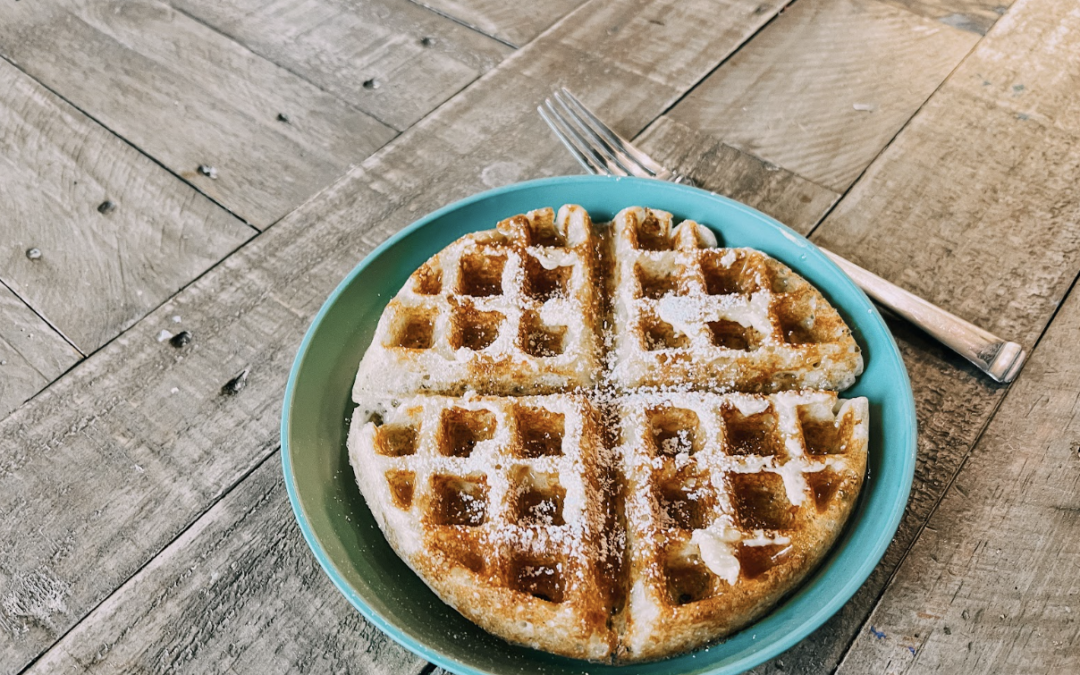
x=46 y=321
x=470 y=26
x=166 y=545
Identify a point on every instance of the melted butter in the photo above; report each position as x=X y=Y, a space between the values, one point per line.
x=718 y=552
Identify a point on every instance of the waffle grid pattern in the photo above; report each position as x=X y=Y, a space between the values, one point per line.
x=687 y=312
x=506 y=488
x=723 y=488
x=608 y=509
x=510 y=309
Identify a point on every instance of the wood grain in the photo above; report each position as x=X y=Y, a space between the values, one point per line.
x=986 y=200
x=239 y=591
x=515 y=23
x=98 y=272
x=189 y=97
x=794 y=201
x=390 y=58
x=1031 y=67
x=977 y=16
x=793 y=95
x=147 y=421
x=32 y=354
x=993 y=583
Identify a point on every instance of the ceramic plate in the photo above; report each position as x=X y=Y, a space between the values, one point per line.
x=348 y=544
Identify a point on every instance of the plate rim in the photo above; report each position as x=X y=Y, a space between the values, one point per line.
x=808 y=624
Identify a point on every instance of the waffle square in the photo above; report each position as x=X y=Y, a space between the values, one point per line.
x=687 y=312
x=506 y=311
x=499 y=504
x=731 y=500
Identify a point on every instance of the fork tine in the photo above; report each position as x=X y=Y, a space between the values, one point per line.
x=582 y=150
x=583 y=159
x=612 y=139
x=615 y=161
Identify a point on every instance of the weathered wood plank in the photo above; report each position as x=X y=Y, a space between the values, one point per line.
x=103 y=469
x=189 y=97
x=390 y=58
x=820 y=92
x=977 y=16
x=993 y=583
x=239 y=591
x=32 y=354
x=146 y=420
x=515 y=23
x=100 y=268
x=1031 y=66
x=794 y=201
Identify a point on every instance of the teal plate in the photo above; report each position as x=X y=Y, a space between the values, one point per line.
x=348 y=544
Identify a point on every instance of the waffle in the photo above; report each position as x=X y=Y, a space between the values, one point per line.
x=614 y=444
x=731 y=500
x=687 y=312
x=505 y=311
x=497 y=504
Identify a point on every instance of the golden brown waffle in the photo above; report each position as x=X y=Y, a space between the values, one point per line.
x=640 y=507
x=506 y=311
x=730 y=501
x=497 y=504
x=723 y=319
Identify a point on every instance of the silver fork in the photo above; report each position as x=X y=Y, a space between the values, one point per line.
x=601 y=151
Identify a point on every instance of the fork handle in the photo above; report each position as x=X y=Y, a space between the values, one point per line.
x=1000 y=359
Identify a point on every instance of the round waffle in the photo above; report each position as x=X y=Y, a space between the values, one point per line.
x=611 y=443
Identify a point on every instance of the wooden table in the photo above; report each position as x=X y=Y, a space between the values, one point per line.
x=215 y=167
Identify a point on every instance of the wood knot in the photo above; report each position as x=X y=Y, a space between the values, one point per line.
x=181 y=339
x=236 y=385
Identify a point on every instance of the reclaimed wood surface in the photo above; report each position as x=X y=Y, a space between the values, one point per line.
x=32 y=354
x=819 y=91
x=114 y=233
x=515 y=23
x=239 y=591
x=166 y=549
x=189 y=97
x=389 y=58
x=979 y=191
x=794 y=201
x=1025 y=224
x=977 y=16
x=993 y=582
